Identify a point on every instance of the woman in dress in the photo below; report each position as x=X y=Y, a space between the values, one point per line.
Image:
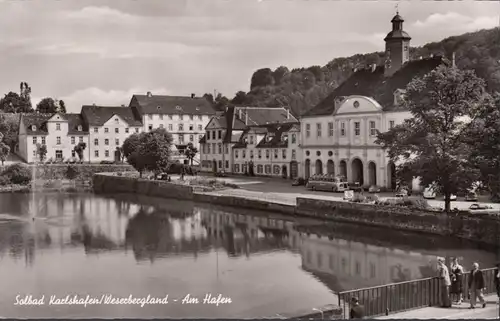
x=456 y=273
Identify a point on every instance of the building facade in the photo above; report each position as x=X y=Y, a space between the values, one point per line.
x=223 y=147
x=339 y=134
x=184 y=117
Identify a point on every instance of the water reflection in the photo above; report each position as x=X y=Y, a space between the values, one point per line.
x=197 y=248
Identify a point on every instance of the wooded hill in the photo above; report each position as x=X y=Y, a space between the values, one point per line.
x=303 y=88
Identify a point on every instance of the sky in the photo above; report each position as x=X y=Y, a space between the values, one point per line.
x=103 y=52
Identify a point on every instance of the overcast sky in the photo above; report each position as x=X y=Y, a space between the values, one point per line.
x=93 y=51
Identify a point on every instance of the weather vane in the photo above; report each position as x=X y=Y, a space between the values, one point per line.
x=397 y=7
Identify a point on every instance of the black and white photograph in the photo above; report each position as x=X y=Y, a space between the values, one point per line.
x=249 y=159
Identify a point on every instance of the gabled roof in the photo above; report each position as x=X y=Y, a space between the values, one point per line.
x=39 y=120
x=75 y=120
x=277 y=131
x=169 y=105
x=376 y=85
x=99 y=115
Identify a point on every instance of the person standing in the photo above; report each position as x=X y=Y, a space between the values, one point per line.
x=357 y=310
x=457 y=272
x=445 y=282
x=476 y=286
x=496 y=280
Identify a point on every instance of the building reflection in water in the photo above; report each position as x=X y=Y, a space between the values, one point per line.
x=156 y=229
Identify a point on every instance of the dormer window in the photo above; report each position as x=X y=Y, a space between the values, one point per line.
x=33 y=128
x=79 y=128
x=178 y=107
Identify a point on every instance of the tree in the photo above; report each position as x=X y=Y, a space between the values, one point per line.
x=261 y=78
x=484 y=142
x=190 y=152
x=4 y=152
x=14 y=103
x=41 y=151
x=432 y=145
x=9 y=127
x=79 y=150
x=240 y=98
x=148 y=151
x=51 y=106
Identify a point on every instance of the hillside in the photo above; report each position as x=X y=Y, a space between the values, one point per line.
x=303 y=88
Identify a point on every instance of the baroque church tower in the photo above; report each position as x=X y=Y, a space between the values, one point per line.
x=397 y=46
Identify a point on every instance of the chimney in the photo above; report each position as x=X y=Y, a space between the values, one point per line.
x=193 y=95
x=374 y=67
x=149 y=94
x=453 y=60
x=287 y=113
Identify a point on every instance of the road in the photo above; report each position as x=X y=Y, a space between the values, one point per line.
x=281 y=189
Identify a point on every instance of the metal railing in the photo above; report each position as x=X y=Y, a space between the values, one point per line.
x=403 y=296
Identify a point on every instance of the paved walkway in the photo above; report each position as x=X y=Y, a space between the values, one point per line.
x=456 y=312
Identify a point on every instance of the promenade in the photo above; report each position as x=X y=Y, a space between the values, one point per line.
x=456 y=312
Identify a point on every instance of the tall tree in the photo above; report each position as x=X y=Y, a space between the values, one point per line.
x=79 y=150
x=14 y=103
x=9 y=127
x=41 y=151
x=4 y=150
x=432 y=144
x=190 y=152
x=484 y=142
x=51 y=106
x=240 y=98
x=261 y=78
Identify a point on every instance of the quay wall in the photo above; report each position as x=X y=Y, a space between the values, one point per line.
x=483 y=228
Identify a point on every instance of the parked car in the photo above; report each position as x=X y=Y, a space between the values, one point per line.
x=299 y=182
x=374 y=189
x=471 y=197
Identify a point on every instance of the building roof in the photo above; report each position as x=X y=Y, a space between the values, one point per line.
x=273 y=135
x=75 y=120
x=39 y=120
x=99 y=115
x=377 y=86
x=169 y=105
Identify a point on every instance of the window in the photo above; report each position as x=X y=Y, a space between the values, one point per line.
x=106 y=129
x=191 y=138
x=357 y=128
x=200 y=127
x=267 y=169
x=106 y=153
x=33 y=128
x=34 y=153
x=226 y=149
x=43 y=140
x=181 y=127
x=80 y=139
x=260 y=169
x=161 y=125
x=294 y=138
x=181 y=117
x=58 y=139
x=276 y=169
x=34 y=140
x=227 y=164
x=259 y=153
x=137 y=130
x=267 y=153
x=220 y=134
x=373 y=130
x=358 y=268
x=150 y=127
x=96 y=130
x=170 y=127
x=200 y=117
x=106 y=141
x=330 y=129
x=243 y=153
x=72 y=140
x=236 y=168
x=391 y=124
x=372 y=271
x=236 y=153
x=117 y=130
x=213 y=148
x=117 y=141
x=294 y=154
x=59 y=154
x=191 y=127
x=342 y=129
x=79 y=128
x=251 y=154
x=73 y=154
x=220 y=148
x=192 y=117
x=283 y=153
x=96 y=153
x=126 y=130
x=308 y=130
x=275 y=154
x=96 y=142
x=318 y=129
x=58 y=126
x=208 y=148
x=170 y=117
x=251 y=139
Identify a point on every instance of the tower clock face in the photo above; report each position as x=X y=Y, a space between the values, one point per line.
x=356 y=104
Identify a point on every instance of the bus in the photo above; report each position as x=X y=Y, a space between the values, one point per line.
x=327 y=182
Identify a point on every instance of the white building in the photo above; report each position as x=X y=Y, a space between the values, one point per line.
x=338 y=135
x=184 y=117
x=226 y=129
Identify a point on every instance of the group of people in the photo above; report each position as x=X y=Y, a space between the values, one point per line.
x=452 y=283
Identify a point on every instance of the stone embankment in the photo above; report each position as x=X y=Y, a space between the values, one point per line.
x=483 y=228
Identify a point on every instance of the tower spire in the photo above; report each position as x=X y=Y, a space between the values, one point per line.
x=397 y=8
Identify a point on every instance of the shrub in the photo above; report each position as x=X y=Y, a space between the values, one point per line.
x=18 y=173
x=71 y=172
x=4 y=180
